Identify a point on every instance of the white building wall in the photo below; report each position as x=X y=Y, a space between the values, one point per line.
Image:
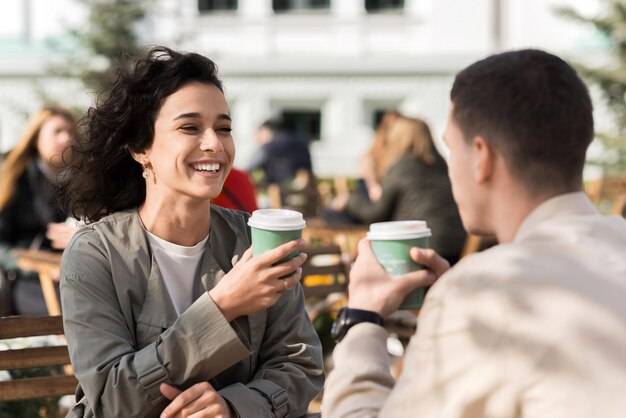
x=344 y=61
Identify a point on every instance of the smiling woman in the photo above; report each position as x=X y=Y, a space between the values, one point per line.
x=166 y=312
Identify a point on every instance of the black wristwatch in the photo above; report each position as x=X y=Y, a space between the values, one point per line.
x=347 y=318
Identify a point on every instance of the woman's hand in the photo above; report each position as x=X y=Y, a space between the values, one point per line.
x=60 y=234
x=200 y=400
x=255 y=284
x=374 y=191
x=340 y=202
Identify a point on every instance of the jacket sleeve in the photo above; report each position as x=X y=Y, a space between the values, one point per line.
x=360 y=382
x=290 y=372
x=7 y=261
x=366 y=211
x=119 y=380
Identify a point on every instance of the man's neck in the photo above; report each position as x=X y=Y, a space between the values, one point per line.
x=512 y=207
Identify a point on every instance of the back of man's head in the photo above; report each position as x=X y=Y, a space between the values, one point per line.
x=531 y=107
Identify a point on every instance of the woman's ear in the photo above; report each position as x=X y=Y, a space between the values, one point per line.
x=140 y=157
x=484 y=159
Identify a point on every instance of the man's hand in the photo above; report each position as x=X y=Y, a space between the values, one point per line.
x=373 y=289
x=200 y=400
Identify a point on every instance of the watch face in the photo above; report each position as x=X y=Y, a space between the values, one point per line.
x=337 y=331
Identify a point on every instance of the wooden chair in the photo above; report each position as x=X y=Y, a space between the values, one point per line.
x=472 y=245
x=63 y=383
x=45 y=263
x=301 y=194
x=606 y=191
x=346 y=237
x=324 y=271
x=619 y=205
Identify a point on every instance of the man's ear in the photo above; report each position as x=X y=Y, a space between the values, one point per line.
x=484 y=159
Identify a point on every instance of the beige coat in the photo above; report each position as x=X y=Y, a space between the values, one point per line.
x=125 y=338
x=533 y=328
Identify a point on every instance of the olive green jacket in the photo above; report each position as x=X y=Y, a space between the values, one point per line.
x=125 y=338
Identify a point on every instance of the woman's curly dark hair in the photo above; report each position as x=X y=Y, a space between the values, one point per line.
x=103 y=177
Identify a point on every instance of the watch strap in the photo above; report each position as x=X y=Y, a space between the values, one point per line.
x=349 y=317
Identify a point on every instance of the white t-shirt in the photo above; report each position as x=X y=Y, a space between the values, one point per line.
x=178 y=266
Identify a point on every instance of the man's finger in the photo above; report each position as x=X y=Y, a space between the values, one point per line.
x=429 y=258
x=414 y=280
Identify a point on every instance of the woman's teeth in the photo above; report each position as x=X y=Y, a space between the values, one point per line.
x=211 y=168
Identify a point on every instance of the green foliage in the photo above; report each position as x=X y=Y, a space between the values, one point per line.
x=90 y=53
x=610 y=78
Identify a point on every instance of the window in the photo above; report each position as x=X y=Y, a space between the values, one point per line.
x=377 y=116
x=282 y=6
x=208 y=6
x=374 y=110
x=376 y=6
x=307 y=123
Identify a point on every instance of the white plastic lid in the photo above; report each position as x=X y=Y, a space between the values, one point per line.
x=276 y=220
x=398 y=230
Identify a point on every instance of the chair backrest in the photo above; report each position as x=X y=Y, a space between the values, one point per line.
x=324 y=271
x=604 y=191
x=300 y=194
x=61 y=383
x=619 y=205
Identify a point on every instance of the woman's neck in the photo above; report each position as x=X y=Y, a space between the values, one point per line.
x=49 y=172
x=183 y=223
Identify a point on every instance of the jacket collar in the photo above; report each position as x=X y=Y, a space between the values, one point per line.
x=158 y=309
x=568 y=204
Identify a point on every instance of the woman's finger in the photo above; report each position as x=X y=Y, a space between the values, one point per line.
x=289 y=282
x=245 y=257
x=276 y=254
x=185 y=398
x=169 y=391
x=288 y=267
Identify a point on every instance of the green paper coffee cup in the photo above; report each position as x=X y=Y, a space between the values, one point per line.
x=391 y=242
x=273 y=227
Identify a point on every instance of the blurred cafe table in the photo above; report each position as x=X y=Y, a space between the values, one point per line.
x=319 y=232
x=46 y=264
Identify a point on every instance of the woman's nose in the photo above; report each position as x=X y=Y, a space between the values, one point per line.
x=211 y=142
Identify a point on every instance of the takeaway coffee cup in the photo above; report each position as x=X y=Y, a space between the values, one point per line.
x=273 y=227
x=391 y=242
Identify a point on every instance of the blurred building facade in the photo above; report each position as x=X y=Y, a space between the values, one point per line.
x=329 y=67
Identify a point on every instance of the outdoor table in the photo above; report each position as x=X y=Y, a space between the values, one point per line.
x=320 y=232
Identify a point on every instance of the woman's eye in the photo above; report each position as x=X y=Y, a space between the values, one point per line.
x=226 y=129
x=189 y=128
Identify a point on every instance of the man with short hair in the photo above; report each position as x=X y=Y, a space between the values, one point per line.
x=281 y=154
x=533 y=327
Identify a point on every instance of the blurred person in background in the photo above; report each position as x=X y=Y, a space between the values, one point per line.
x=30 y=216
x=371 y=167
x=166 y=312
x=415 y=185
x=281 y=154
x=238 y=192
